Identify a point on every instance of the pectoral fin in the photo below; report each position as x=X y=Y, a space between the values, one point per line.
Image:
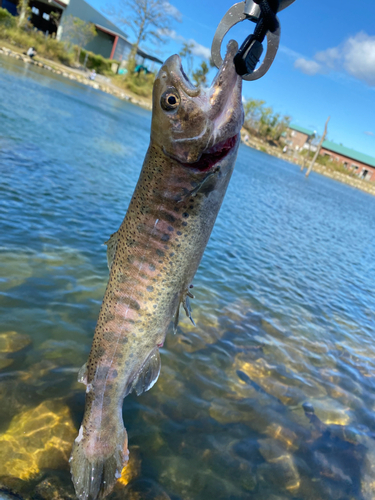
x=185 y=301
x=111 y=248
x=148 y=375
x=82 y=374
x=186 y=304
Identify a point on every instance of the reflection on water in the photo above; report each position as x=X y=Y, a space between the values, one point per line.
x=271 y=397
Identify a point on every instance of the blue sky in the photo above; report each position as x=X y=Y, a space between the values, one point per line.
x=325 y=65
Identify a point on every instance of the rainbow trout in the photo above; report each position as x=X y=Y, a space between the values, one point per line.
x=153 y=257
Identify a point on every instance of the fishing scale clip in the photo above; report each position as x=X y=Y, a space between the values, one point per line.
x=263 y=13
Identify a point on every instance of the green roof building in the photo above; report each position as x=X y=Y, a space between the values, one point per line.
x=363 y=165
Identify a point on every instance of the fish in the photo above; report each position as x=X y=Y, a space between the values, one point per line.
x=153 y=257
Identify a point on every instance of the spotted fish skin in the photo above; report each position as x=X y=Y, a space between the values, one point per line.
x=153 y=258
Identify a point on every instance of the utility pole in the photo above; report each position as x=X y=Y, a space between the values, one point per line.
x=319 y=148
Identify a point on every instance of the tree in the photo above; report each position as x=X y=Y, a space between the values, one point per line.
x=318 y=148
x=200 y=75
x=78 y=32
x=187 y=53
x=252 y=109
x=24 y=11
x=147 y=19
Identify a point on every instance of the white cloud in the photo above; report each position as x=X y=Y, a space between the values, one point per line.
x=359 y=57
x=196 y=48
x=328 y=57
x=308 y=67
x=172 y=11
x=370 y=133
x=355 y=56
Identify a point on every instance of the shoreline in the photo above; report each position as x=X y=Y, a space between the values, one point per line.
x=108 y=87
x=101 y=82
x=354 y=182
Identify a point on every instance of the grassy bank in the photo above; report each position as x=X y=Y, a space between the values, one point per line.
x=26 y=37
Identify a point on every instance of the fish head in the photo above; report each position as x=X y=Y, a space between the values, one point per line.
x=194 y=125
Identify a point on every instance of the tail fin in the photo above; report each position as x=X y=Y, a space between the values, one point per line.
x=95 y=476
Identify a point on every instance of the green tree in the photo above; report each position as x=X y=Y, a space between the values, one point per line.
x=200 y=75
x=187 y=53
x=253 y=110
x=78 y=32
x=147 y=19
x=24 y=12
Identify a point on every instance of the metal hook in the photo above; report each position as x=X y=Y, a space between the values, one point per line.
x=240 y=12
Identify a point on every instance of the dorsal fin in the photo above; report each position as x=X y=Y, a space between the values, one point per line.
x=148 y=375
x=111 y=248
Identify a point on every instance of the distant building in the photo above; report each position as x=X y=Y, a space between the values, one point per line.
x=363 y=165
x=110 y=41
x=298 y=137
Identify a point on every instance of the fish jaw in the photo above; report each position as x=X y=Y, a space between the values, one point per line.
x=204 y=118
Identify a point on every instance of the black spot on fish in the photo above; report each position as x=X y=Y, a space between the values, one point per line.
x=114 y=374
x=133 y=304
x=160 y=253
x=179 y=233
x=170 y=228
x=108 y=317
x=170 y=218
x=99 y=351
x=150 y=288
x=101 y=372
x=185 y=215
x=184 y=223
x=151 y=267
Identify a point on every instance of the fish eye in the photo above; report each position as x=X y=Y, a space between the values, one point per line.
x=170 y=100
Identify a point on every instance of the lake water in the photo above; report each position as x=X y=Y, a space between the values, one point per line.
x=271 y=397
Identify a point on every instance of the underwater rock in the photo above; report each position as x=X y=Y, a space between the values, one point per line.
x=38 y=438
x=194 y=338
x=63 y=352
x=15 y=269
x=330 y=411
x=283 y=435
x=11 y=343
x=264 y=375
x=274 y=328
x=133 y=468
x=280 y=468
x=53 y=488
x=142 y=489
x=6 y=494
x=5 y=362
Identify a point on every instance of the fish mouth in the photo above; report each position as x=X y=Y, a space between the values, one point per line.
x=212 y=156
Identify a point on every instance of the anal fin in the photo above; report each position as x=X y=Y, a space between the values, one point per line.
x=111 y=248
x=148 y=375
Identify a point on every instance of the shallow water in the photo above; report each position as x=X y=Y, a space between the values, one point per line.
x=284 y=310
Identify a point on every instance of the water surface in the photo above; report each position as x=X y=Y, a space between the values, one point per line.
x=270 y=397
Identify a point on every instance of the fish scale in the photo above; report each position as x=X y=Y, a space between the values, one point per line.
x=153 y=258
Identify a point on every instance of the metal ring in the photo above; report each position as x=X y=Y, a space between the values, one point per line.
x=234 y=16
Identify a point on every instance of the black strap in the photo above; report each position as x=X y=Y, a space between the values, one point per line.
x=250 y=51
x=267 y=20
